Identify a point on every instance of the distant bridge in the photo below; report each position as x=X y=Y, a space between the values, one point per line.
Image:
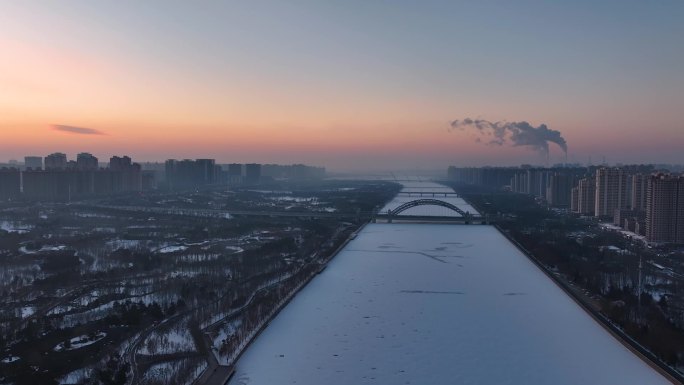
x=444 y=194
x=426 y=202
x=464 y=216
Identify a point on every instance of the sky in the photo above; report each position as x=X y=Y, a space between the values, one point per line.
x=349 y=85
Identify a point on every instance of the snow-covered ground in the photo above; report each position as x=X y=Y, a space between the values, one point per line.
x=43 y=249
x=15 y=227
x=311 y=200
x=175 y=340
x=429 y=187
x=628 y=234
x=27 y=311
x=436 y=304
x=77 y=376
x=181 y=372
x=172 y=249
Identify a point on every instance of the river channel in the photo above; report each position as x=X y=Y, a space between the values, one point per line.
x=418 y=303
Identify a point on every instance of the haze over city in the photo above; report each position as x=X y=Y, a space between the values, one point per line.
x=341 y=192
x=350 y=86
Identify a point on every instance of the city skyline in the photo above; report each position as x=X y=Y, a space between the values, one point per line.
x=350 y=86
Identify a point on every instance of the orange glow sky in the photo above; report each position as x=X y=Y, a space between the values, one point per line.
x=349 y=86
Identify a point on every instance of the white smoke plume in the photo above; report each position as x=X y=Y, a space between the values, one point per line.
x=513 y=133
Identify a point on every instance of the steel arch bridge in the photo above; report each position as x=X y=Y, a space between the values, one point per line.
x=426 y=202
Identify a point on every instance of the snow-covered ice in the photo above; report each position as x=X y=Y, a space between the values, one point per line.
x=436 y=304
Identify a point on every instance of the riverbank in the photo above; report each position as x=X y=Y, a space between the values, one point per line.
x=640 y=351
x=221 y=374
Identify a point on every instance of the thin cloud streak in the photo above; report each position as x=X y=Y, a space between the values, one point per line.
x=77 y=130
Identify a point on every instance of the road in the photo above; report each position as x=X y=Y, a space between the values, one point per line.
x=215 y=213
x=131 y=357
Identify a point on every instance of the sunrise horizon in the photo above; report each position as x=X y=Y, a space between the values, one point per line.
x=345 y=87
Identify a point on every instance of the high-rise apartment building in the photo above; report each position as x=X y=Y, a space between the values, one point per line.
x=189 y=173
x=86 y=162
x=235 y=173
x=519 y=183
x=586 y=196
x=252 y=173
x=665 y=209
x=50 y=184
x=235 y=169
x=64 y=181
x=33 y=162
x=558 y=189
x=56 y=161
x=205 y=171
x=170 y=172
x=574 y=199
x=611 y=191
x=639 y=188
x=493 y=177
x=10 y=183
x=126 y=176
x=536 y=182
x=117 y=163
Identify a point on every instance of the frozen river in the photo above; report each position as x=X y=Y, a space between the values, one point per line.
x=436 y=304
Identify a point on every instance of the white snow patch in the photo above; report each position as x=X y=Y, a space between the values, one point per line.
x=91 y=215
x=44 y=249
x=172 y=249
x=235 y=249
x=61 y=309
x=15 y=227
x=10 y=359
x=27 y=311
x=108 y=230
